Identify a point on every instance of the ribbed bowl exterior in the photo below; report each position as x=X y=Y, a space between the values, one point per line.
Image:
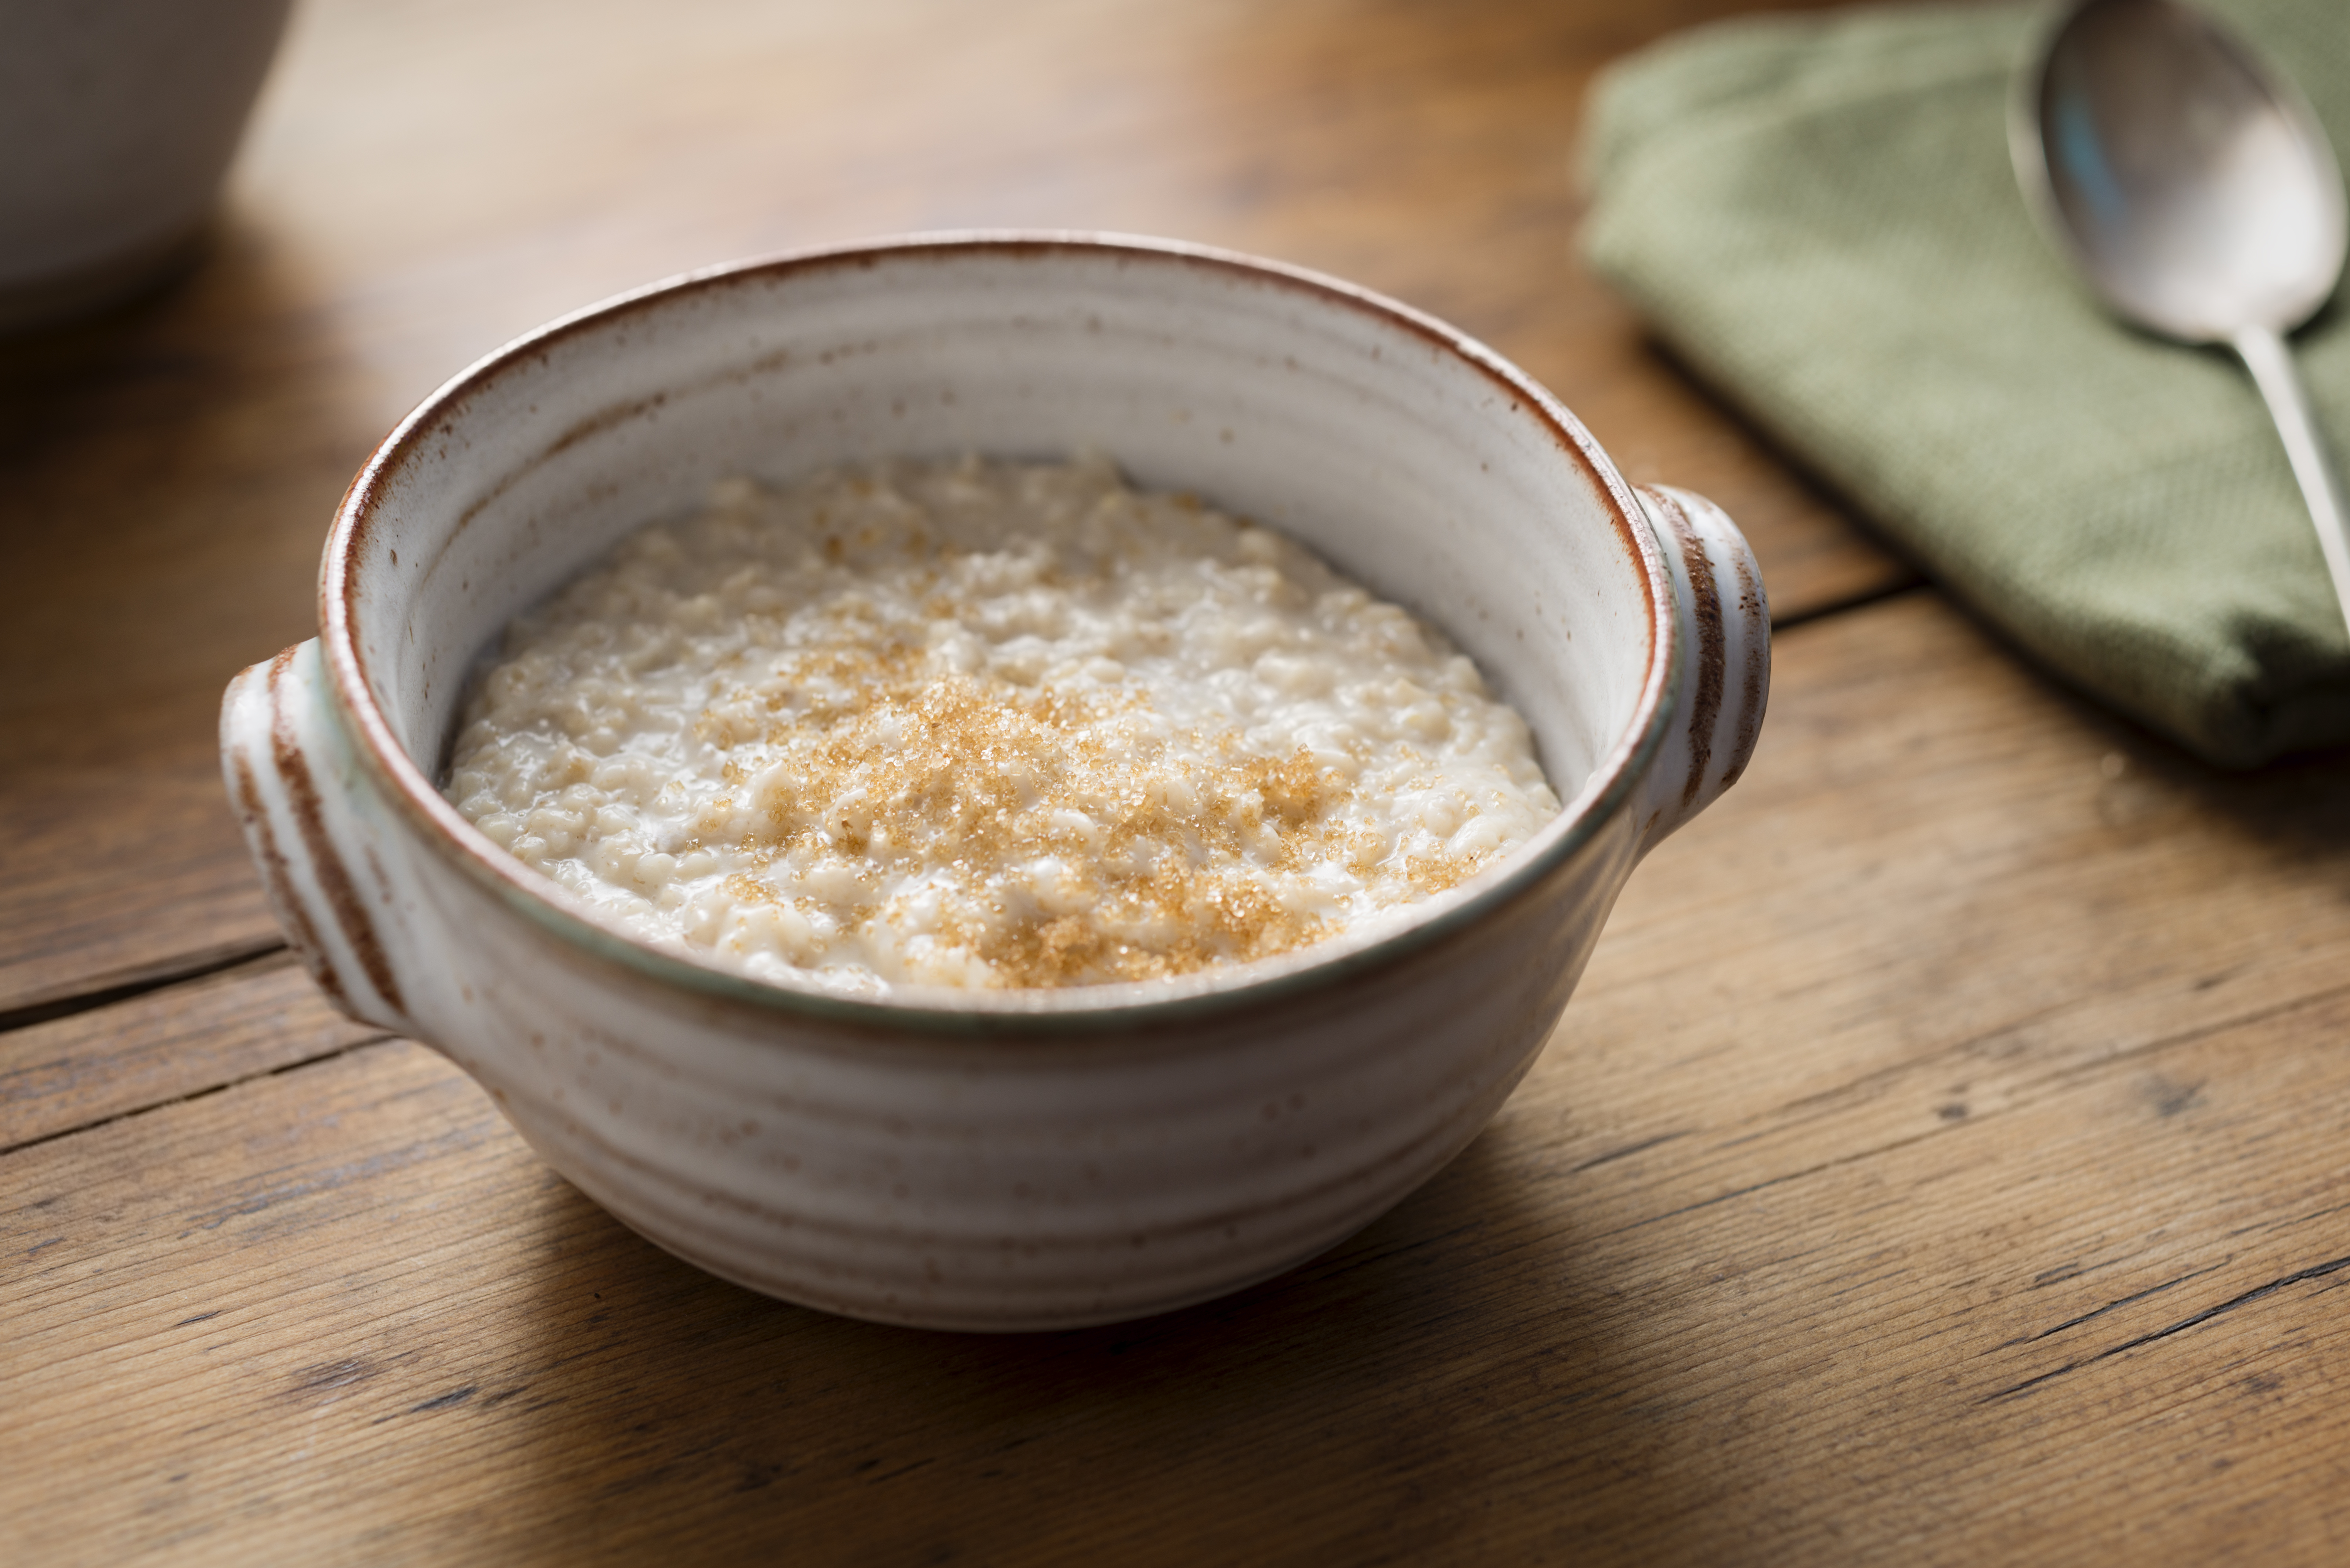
x=1011 y=1181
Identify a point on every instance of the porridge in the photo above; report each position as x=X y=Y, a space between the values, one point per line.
x=985 y=724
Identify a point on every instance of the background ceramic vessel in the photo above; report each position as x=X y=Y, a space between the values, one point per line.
x=1021 y=1159
x=118 y=119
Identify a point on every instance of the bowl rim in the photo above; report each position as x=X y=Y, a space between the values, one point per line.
x=1062 y=1011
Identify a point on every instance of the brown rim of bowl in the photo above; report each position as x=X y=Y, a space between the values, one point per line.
x=934 y=1009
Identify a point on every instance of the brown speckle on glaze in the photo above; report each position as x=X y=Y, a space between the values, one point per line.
x=343 y=901
x=1711 y=650
x=301 y=935
x=1755 y=682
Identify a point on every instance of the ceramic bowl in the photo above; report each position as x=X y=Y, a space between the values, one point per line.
x=994 y=1160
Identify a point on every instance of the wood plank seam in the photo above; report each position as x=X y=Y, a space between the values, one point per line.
x=206 y=1093
x=2057 y=1079
x=1867 y=598
x=104 y=990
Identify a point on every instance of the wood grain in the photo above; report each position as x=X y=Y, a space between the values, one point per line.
x=123 y=864
x=1937 y=1163
x=260 y=1016
x=367 y=1323
x=427 y=179
x=1943 y=1159
x=1941 y=887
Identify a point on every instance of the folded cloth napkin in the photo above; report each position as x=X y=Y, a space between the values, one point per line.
x=1818 y=214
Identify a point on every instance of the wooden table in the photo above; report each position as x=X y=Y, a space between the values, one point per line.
x=1944 y=1157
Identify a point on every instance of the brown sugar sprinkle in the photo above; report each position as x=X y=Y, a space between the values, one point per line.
x=986 y=725
x=902 y=769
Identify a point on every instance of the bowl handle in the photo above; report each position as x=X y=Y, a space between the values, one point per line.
x=297 y=790
x=1725 y=664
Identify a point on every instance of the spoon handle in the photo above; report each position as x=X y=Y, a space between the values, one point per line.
x=2271 y=363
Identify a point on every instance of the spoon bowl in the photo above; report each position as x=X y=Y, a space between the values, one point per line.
x=2197 y=193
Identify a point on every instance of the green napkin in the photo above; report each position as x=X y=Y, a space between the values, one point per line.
x=1818 y=214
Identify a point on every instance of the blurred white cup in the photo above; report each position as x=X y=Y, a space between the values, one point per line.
x=118 y=119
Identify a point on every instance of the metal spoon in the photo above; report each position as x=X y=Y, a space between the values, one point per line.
x=2198 y=194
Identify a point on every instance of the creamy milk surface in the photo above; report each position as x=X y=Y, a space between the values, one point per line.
x=983 y=723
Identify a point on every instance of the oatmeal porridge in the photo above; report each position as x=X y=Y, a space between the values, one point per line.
x=985 y=724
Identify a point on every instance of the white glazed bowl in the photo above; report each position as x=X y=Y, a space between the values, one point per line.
x=1009 y=1160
